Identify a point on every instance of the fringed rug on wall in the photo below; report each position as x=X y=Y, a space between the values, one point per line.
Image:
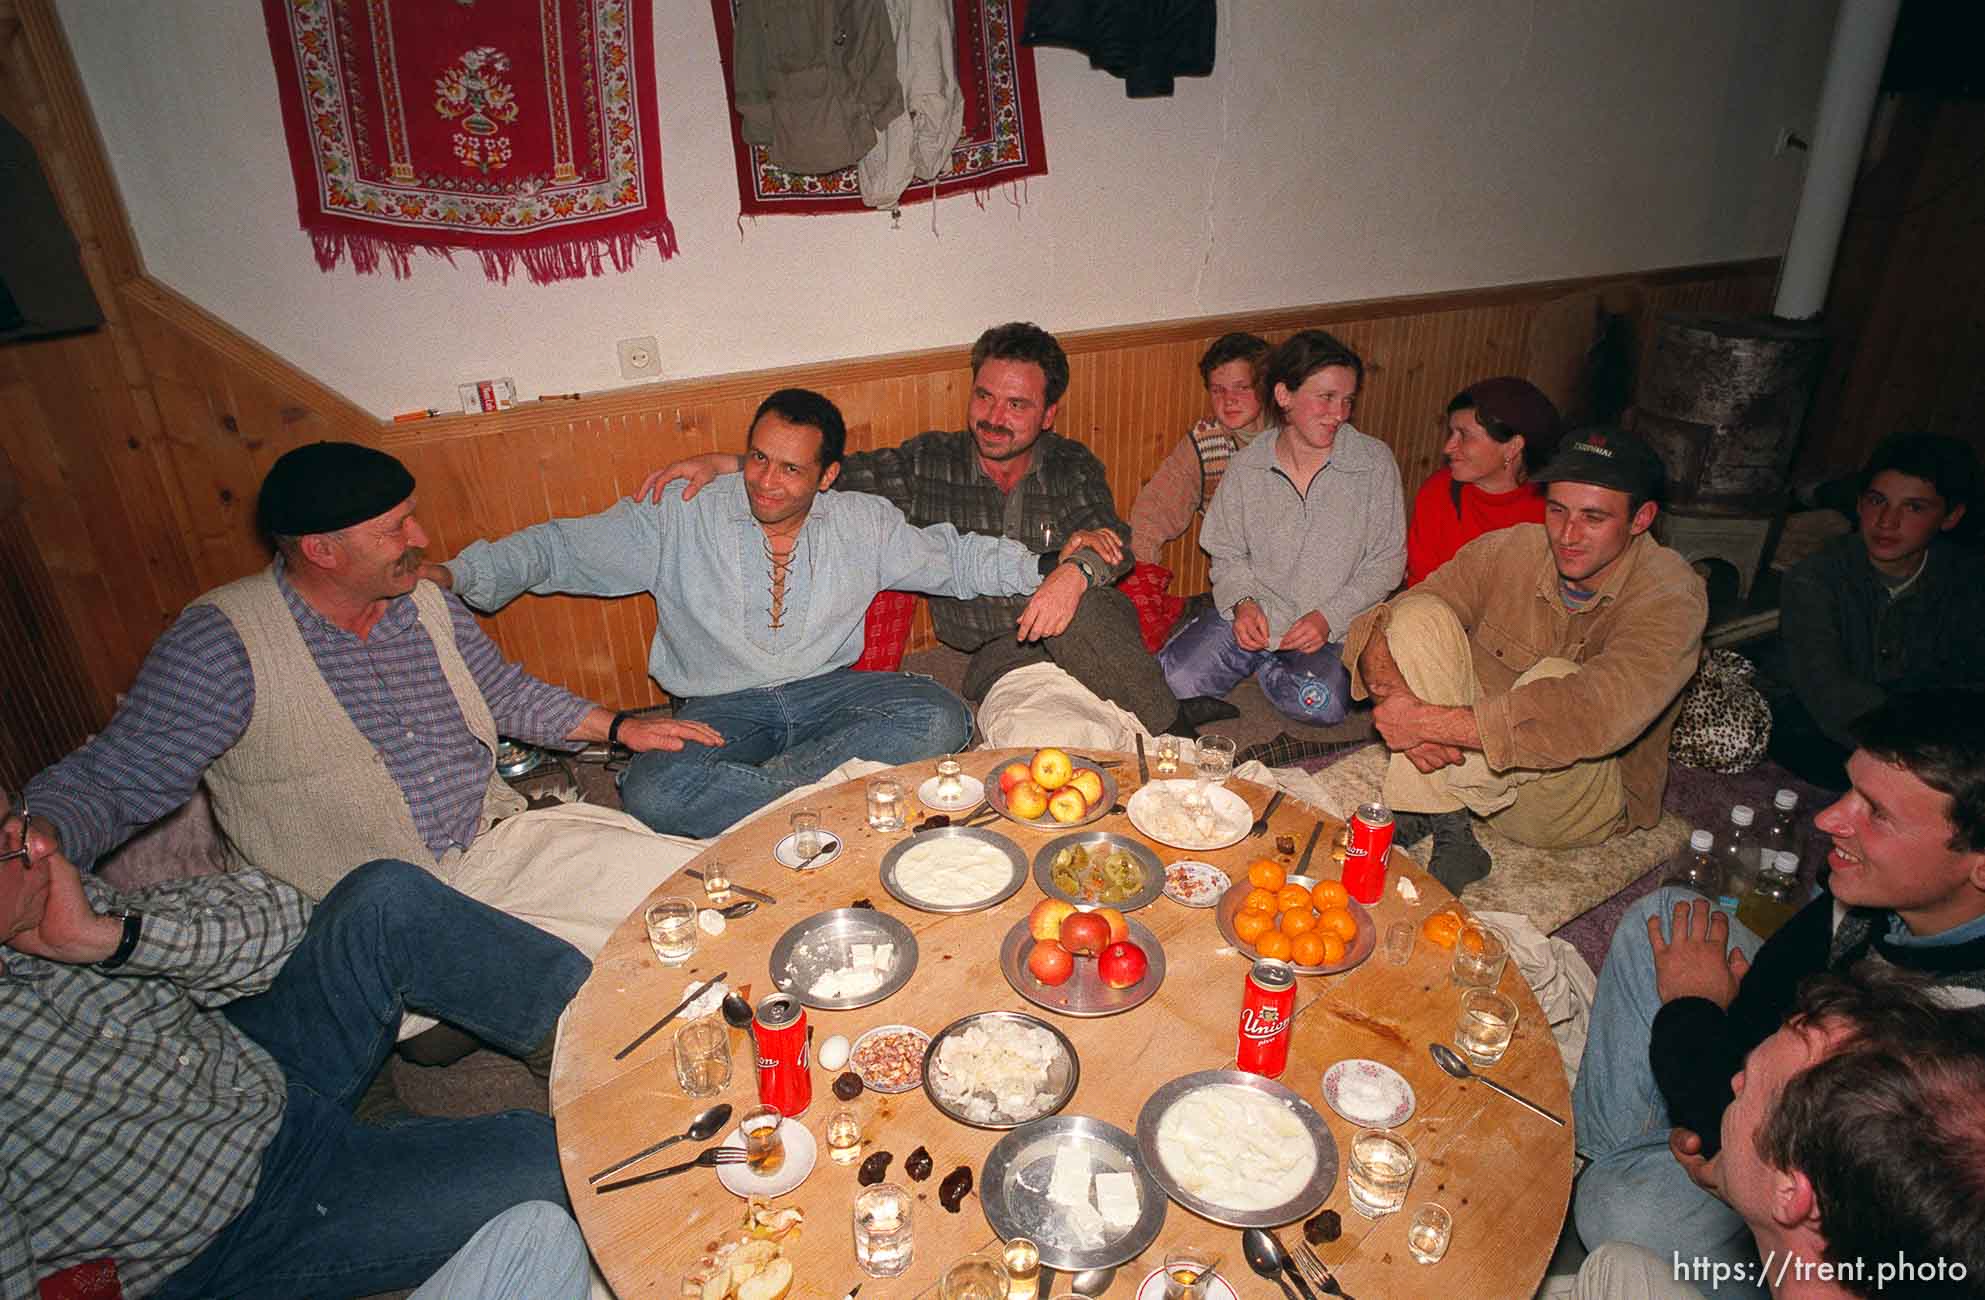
x=1001 y=140
x=524 y=131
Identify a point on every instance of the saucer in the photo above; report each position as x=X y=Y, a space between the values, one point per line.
x=1153 y=1287
x=972 y=793
x=801 y=1152
x=786 y=857
x=1394 y=1101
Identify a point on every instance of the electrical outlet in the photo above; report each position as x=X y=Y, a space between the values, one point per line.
x=639 y=358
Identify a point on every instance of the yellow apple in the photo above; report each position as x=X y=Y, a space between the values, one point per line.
x=1090 y=783
x=1067 y=805
x=1052 y=768
x=1011 y=775
x=1027 y=801
x=1044 y=922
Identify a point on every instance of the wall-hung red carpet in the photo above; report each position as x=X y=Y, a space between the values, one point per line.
x=524 y=131
x=1001 y=140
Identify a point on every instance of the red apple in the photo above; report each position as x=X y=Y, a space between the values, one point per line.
x=1121 y=965
x=1044 y=922
x=1090 y=783
x=1052 y=768
x=1027 y=801
x=1011 y=775
x=1085 y=933
x=1067 y=805
x=1050 y=963
x=1119 y=928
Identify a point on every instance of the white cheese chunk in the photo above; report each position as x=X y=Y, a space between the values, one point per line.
x=1069 y=1185
x=1116 y=1197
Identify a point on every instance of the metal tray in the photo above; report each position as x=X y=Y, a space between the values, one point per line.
x=1312 y=1194
x=996 y=797
x=899 y=892
x=1013 y=1190
x=820 y=944
x=1154 y=870
x=1062 y=1074
x=1083 y=994
x=1355 y=952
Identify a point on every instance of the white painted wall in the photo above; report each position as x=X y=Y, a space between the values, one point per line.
x=1342 y=149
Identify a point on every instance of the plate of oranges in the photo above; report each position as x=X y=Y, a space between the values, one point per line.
x=1312 y=924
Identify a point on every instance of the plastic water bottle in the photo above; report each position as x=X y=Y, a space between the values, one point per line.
x=1774 y=899
x=1739 y=856
x=1780 y=832
x=1695 y=866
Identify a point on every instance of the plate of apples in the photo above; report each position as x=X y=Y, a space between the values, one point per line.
x=1052 y=790
x=1081 y=961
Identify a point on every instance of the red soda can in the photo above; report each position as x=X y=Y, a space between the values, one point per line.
x=1365 y=855
x=1268 y=1004
x=784 y=1081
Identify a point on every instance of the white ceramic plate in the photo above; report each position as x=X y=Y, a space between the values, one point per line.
x=801 y=1153
x=1196 y=884
x=1153 y=1287
x=1395 y=1101
x=786 y=856
x=971 y=793
x=1234 y=815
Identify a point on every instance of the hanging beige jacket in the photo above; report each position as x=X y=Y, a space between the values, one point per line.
x=918 y=143
x=815 y=79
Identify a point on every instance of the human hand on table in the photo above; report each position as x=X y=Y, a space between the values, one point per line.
x=1695 y=960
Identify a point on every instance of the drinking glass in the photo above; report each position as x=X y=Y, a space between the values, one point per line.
x=1399 y=939
x=1023 y=1269
x=950 y=779
x=1379 y=1171
x=703 y=1057
x=716 y=882
x=1213 y=759
x=1165 y=756
x=806 y=834
x=672 y=929
x=1487 y=1023
x=885 y=804
x=1479 y=957
x=884 y=1245
x=1188 y=1273
x=764 y=1148
x=844 y=1137
x=975 y=1277
x=1427 y=1236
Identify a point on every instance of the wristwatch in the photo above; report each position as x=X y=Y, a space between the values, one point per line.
x=1089 y=573
x=126 y=945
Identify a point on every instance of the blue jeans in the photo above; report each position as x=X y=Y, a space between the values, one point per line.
x=1634 y=1191
x=344 y=1208
x=778 y=738
x=1205 y=658
x=531 y=1251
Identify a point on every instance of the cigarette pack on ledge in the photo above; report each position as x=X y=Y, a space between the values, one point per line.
x=487 y=395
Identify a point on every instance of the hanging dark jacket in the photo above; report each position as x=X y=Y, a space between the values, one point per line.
x=1146 y=42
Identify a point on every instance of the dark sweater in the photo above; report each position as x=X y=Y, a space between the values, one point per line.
x=1695 y=1046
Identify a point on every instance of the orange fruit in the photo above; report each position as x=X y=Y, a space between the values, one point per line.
x=1333 y=949
x=1471 y=940
x=1442 y=929
x=1291 y=896
x=1265 y=873
x=1297 y=920
x=1249 y=925
x=1259 y=900
x=1307 y=949
x=1329 y=894
x=1340 y=922
x=1273 y=944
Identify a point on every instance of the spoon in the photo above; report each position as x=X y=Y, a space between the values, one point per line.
x=827 y=844
x=1444 y=1056
x=736 y=1011
x=1092 y=1281
x=1266 y=1257
x=735 y=910
x=704 y=1126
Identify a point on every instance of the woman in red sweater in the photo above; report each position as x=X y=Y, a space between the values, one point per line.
x=1498 y=430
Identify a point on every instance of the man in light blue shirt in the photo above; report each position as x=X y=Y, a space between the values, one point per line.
x=760 y=586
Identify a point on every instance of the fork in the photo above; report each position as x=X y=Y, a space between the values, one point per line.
x=1260 y=826
x=1314 y=1270
x=709 y=1158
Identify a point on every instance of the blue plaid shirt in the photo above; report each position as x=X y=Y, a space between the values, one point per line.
x=196 y=692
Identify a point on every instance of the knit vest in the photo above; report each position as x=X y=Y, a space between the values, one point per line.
x=1958 y=968
x=1216 y=445
x=303 y=794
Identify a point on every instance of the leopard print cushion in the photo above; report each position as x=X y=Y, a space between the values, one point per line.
x=1725 y=722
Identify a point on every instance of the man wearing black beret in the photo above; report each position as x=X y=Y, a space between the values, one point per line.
x=340 y=710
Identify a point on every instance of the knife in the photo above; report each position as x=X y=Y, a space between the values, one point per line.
x=651 y=1031
x=746 y=890
x=1143 y=768
x=1303 y=863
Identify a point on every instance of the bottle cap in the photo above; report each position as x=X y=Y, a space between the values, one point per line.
x=1742 y=814
x=1701 y=841
x=1785 y=800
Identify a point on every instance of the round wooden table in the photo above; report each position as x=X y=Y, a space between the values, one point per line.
x=1503 y=1172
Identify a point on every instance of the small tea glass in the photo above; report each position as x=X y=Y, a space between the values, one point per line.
x=1213 y=759
x=884 y=1242
x=1165 y=756
x=806 y=833
x=885 y=804
x=1479 y=957
x=671 y=923
x=1379 y=1171
x=844 y=1137
x=1188 y=1272
x=764 y=1145
x=1486 y=1025
x=1023 y=1269
x=1400 y=937
x=975 y=1277
x=716 y=882
x=703 y=1057
x=1427 y=1236
x=950 y=780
